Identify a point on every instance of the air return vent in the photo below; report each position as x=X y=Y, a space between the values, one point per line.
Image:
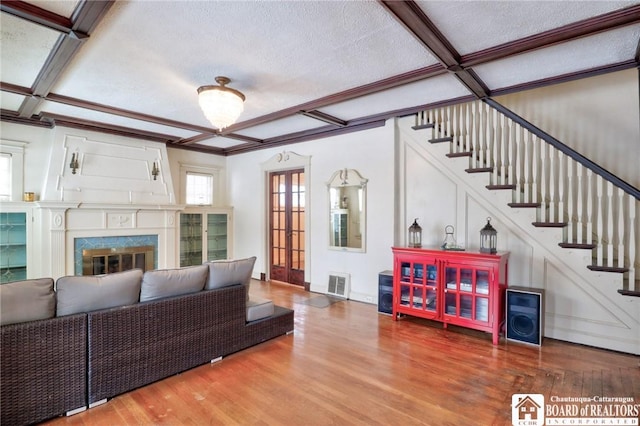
x=338 y=284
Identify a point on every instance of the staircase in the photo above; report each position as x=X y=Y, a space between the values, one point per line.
x=595 y=210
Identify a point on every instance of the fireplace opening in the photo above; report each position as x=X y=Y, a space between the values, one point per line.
x=110 y=260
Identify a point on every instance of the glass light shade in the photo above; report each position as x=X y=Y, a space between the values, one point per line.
x=220 y=105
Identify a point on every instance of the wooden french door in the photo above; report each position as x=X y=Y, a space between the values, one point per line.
x=286 y=223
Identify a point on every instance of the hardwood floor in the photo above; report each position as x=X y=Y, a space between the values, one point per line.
x=347 y=364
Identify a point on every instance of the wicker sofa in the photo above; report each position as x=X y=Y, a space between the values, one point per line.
x=73 y=360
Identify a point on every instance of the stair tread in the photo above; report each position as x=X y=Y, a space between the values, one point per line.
x=549 y=224
x=578 y=246
x=607 y=269
x=479 y=170
x=423 y=126
x=443 y=139
x=506 y=186
x=460 y=154
x=527 y=205
x=629 y=293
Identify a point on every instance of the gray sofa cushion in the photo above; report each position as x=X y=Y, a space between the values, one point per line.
x=259 y=308
x=173 y=282
x=27 y=300
x=223 y=273
x=92 y=292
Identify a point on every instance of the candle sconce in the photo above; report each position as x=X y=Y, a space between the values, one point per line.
x=155 y=171
x=74 y=165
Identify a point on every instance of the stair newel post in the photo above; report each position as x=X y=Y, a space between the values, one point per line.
x=569 y=206
x=600 y=219
x=610 y=221
x=620 y=227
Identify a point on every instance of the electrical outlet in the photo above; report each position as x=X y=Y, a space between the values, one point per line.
x=368 y=299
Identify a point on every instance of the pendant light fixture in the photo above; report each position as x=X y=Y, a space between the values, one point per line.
x=221 y=105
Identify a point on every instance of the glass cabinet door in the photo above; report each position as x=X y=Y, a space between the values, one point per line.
x=216 y=236
x=190 y=239
x=13 y=247
x=467 y=293
x=418 y=285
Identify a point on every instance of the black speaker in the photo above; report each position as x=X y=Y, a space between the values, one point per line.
x=385 y=292
x=525 y=315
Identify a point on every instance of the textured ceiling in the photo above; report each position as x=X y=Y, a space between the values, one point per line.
x=133 y=67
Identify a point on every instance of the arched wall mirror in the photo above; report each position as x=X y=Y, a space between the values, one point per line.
x=347 y=211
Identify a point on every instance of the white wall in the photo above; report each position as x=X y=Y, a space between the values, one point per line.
x=599 y=117
x=371 y=153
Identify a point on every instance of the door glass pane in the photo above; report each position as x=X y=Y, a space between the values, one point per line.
x=451 y=278
x=482 y=309
x=465 y=305
x=450 y=304
x=482 y=282
x=465 y=280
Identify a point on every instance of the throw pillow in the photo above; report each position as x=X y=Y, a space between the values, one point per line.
x=223 y=273
x=92 y=292
x=27 y=300
x=172 y=282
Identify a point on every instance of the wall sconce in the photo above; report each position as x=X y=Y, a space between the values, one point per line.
x=155 y=171
x=74 y=164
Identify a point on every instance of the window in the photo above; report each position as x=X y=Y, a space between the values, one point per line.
x=11 y=170
x=199 y=188
x=5 y=176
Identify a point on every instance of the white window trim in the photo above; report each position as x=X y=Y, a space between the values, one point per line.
x=16 y=150
x=215 y=172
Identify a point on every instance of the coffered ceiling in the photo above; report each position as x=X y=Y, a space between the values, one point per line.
x=308 y=69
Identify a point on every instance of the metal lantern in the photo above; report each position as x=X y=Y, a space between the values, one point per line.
x=488 y=238
x=415 y=235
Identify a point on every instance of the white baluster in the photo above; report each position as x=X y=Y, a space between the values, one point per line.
x=544 y=194
x=535 y=170
x=526 y=159
x=620 y=226
x=553 y=181
x=600 y=219
x=485 y=119
x=579 y=205
x=631 y=245
x=560 y=177
x=589 y=198
x=464 y=131
x=569 y=205
x=610 y=220
x=495 y=132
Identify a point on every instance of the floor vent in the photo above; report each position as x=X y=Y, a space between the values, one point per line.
x=338 y=284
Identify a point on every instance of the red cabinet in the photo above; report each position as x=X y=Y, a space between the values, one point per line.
x=455 y=287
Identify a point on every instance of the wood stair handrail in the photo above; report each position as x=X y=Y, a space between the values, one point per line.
x=625 y=186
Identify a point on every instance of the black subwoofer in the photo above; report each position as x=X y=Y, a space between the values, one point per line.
x=385 y=292
x=525 y=315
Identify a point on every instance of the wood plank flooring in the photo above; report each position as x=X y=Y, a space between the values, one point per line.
x=345 y=364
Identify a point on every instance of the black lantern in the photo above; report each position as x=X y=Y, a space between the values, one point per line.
x=415 y=235
x=488 y=238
